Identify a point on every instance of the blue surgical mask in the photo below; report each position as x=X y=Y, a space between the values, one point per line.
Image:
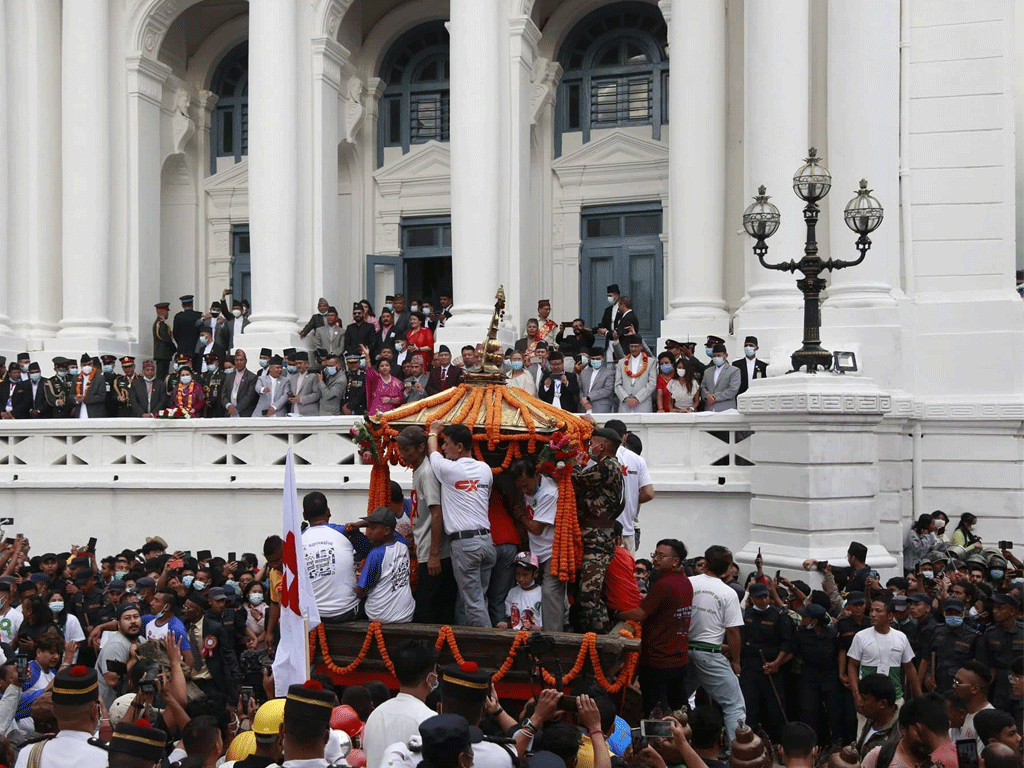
x=186 y=379
x=231 y=583
x=330 y=370
x=56 y=607
x=255 y=598
x=61 y=372
x=595 y=363
x=517 y=365
x=749 y=351
x=709 y=351
x=719 y=361
x=611 y=299
x=292 y=368
x=954 y=621
x=108 y=369
x=199 y=586
x=35 y=376
x=997 y=574
x=666 y=367
x=264 y=362
x=187 y=580
x=73 y=371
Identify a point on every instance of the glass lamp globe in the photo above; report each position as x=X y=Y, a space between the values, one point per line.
x=812 y=181
x=761 y=219
x=864 y=213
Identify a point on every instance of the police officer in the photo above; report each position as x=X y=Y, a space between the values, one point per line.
x=163 y=341
x=354 y=401
x=212 y=382
x=816 y=645
x=847 y=627
x=109 y=376
x=767 y=632
x=953 y=643
x=123 y=386
x=56 y=389
x=921 y=629
x=1002 y=643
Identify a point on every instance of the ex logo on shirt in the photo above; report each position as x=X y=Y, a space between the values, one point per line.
x=468 y=485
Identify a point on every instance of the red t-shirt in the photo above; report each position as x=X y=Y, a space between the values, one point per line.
x=620 y=589
x=503 y=530
x=665 y=642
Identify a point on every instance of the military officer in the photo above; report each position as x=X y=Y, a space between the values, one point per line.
x=163 y=341
x=953 y=643
x=354 y=401
x=213 y=380
x=56 y=389
x=767 y=631
x=109 y=376
x=123 y=386
x=186 y=330
x=1002 y=642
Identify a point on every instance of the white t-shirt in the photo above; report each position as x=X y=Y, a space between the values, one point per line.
x=715 y=608
x=330 y=562
x=882 y=654
x=395 y=720
x=465 y=492
x=521 y=604
x=967 y=730
x=542 y=507
x=385 y=578
x=426 y=492
x=635 y=477
x=10 y=623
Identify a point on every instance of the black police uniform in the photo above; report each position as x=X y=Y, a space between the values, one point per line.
x=355 y=393
x=111 y=403
x=769 y=631
x=920 y=634
x=951 y=647
x=847 y=628
x=997 y=649
x=820 y=689
x=212 y=383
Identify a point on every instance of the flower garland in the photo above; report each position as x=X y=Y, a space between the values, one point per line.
x=638 y=374
x=186 y=400
x=79 y=389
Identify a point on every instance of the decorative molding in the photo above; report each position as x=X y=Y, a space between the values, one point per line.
x=329 y=60
x=426 y=171
x=866 y=404
x=543 y=86
x=523 y=37
x=329 y=15
x=182 y=122
x=146 y=78
x=613 y=159
x=355 y=110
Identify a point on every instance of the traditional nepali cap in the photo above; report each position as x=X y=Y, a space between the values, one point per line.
x=1005 y=598
x=77 y=685
x=750 y=340
x=266 y=352
x=24 y=356
x=596 y=352
x=953 y=604
x=608 y=434
x=302 y=356
x=268 y=718
x=527 y=560
x=139 y=739
x=443 y=348
x=444 y=735
x=309 y=701
x=388 y=298
x=33 y=367
x=412 y=435
x=289 y=353
x=187 y=299
x=465 y=681
x=714 y=340
x=544 y=303
x=855 y=598
x=356 y=305
x=276 y=360
x=127 y=360
x=757 y=589
x=381 y=515
x=541 y=345
x=613 y=288
x=813 y=611
x=236 y=303
x=163 y=305
x=719 y=348
x=919 y=597
x=633 y=339
x=858 y=550
x=86 y=357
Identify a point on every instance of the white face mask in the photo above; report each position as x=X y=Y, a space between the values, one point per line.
x=186 y=379
x=414 y=308
x=86 y=369
x=236 y=312
x=611 y=299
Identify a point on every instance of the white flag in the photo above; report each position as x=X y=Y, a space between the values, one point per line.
x=299 y=614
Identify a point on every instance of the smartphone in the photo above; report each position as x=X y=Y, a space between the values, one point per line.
x=8 y=540
x=656 y=729
x=778 y=575
x=91 y=546
x=874 y=575
x=639 y=742
x=203 y=554
x=232 y=557
x=21 y=661
x=188 y=553
x=176 y=565
x=967 y=753
x=568 y=704
x=246 y=696
x=1006 y=545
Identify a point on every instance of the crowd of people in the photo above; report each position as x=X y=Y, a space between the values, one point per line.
x=375 y=363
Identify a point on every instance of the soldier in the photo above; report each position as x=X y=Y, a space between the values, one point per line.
x=56 y=389
x=163 y=341
x=920 y=629
x=953 y=643
x=123 y=386
x=172 y=378
x=354 y=401
x=848 y=626
x=108 y=384
x=599 y=501
x=213 y=380
x=767 y=632
x=186 y=330
x=816 y=644
x=1003 y=642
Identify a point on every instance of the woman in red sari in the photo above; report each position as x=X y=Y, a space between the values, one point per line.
x=546 y=327
x=420 y=339
x=188 y=394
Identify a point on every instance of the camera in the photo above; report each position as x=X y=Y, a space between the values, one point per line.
x=568 y=704
x=148 y=682
x=539 y=645
x=1006 y=545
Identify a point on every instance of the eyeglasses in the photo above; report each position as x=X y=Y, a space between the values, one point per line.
x=659 y=555
x=959 y=683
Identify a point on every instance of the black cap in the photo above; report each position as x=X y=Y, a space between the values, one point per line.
x=634 y=339
x=1005 y=598
x=116 y=586
x=466 y=681
x=187 y=299
x=146 y=582
x=444 y=736
x=302 y=356
x=856 y=598
x=48 y=556
x=443 y=348
x=289 y=353
x=919 y=597
x=714 y=340
x=750 y=340
x=266 y=352
x=309 y=701
x=86 y=358
x=276 y=360
x=953 y=604
x=332 y=310
x=613 y=288
x=596 y=352
x=719 y=348
x=813 y=611
x=381 y=515
x=33 y=367
x=757 y=589
x=139 y=740
x=858 y=550
x=77 y=685
x=61 y=360
x=163 y=305
x=24 y=356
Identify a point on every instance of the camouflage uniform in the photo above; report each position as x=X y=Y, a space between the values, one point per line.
x=598 y=502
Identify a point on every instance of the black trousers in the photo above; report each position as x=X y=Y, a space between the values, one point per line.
x=821 y=705
x=662 y=688
x=435 y=595
x=762 y=708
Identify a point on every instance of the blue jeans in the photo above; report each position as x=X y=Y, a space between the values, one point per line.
x=714 y=673
x=502 y=578
x=472 y=561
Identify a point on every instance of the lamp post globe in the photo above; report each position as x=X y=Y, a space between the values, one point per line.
x=863 y=214
x=761 y=218
x=812 y=181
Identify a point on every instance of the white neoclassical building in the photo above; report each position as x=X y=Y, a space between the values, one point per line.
x=353 y=148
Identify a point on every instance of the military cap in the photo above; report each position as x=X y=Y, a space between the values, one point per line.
x=444 y=735
x=187 y=299
x=77 y=685
x=352 y=357
x=127 y=360
x=858 y=550
x=757 y=589
x=60 y=360
x=140 y=740
x=596 y=352
x=672 y=343
x=608 y=434
x=108 y=358
x=211 y=356
x=714 y=340
x=309 y=701
x=465 y=681
x=183 y=358
x=163 y=305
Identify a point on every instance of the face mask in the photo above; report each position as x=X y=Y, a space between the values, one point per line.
x=414 y=308
x=231 y=583
x=264 y=363
x=73 y=371
x=709 y=352
x=330 y=370
x=584 y=359
x=199 y=586
x=176 y=367
x=749 y=351
x=236 y=312
x=927 y=575
x=362 y=362
x=120 y=574
x=292 y=368
x=665 y=368
x=759 y=609
x=400 y=347
x=973 y=612
x=24 y=367
x=954 y=621
x=56 y=607
x=517 y=365
x=389 y=307
x=255 y=598
x=596 y=363
x=214 y=313
x=187 y=580
x=35 y=376
x=997 y=574
x=186 y=379
x=681 y=372
x=324 y=313
x=719 y=361
x=205 y=340
x=212 y=366
x=428 y=310
x=86 y=369
x=61 y=372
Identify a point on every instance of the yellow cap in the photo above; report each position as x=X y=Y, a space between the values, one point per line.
x=243 y=745
x=269 y=717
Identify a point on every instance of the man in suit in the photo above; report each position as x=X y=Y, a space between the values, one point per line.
x=55 y=388
x=444 y=375
x=387 y=336
x=331 y=382
x=15 y=395
x=40 y=408
x=236 y=323
x=559 y=387
x=537 y=364
x=529 y=341
x=750 y=367
x=359 y=333
x=216 y=668
x=208 y=349
x=329 y=339
x=317 y=320
x=719 y=387
x=148 y=393
x=415 y=379
x=578 y=342
x=609 y=320
x=635 y=378
x=597 y=384
x=238 y=395
x=272 y=387
x=401 y=316
x=215 y=322
x=92 y=402
x=303 y=388
x=163 y=341
x=186 y=329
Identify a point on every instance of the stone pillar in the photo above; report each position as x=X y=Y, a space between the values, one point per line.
x=815 y=484
x=86 y=145
x=696 y=227
x=776 y=117
x=863 y=142
x=5 y=210
x=475 y=161
x=273 y=171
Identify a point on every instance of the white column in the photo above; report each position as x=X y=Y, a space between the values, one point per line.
x=475 y=148
x=273 y=169
x=5 y=210
x=696 y=170
x=85 y=155
x=863 y=142
x=776 y=117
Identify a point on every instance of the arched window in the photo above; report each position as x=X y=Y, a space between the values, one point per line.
x=415 y=107
x=229 y=133
x=615 y=72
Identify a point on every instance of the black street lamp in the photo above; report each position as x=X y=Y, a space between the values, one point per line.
x=863 y=215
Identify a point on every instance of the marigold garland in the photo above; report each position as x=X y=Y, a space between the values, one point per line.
x=638 y=374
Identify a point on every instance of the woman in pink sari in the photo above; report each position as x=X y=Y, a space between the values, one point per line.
x=384 y=392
